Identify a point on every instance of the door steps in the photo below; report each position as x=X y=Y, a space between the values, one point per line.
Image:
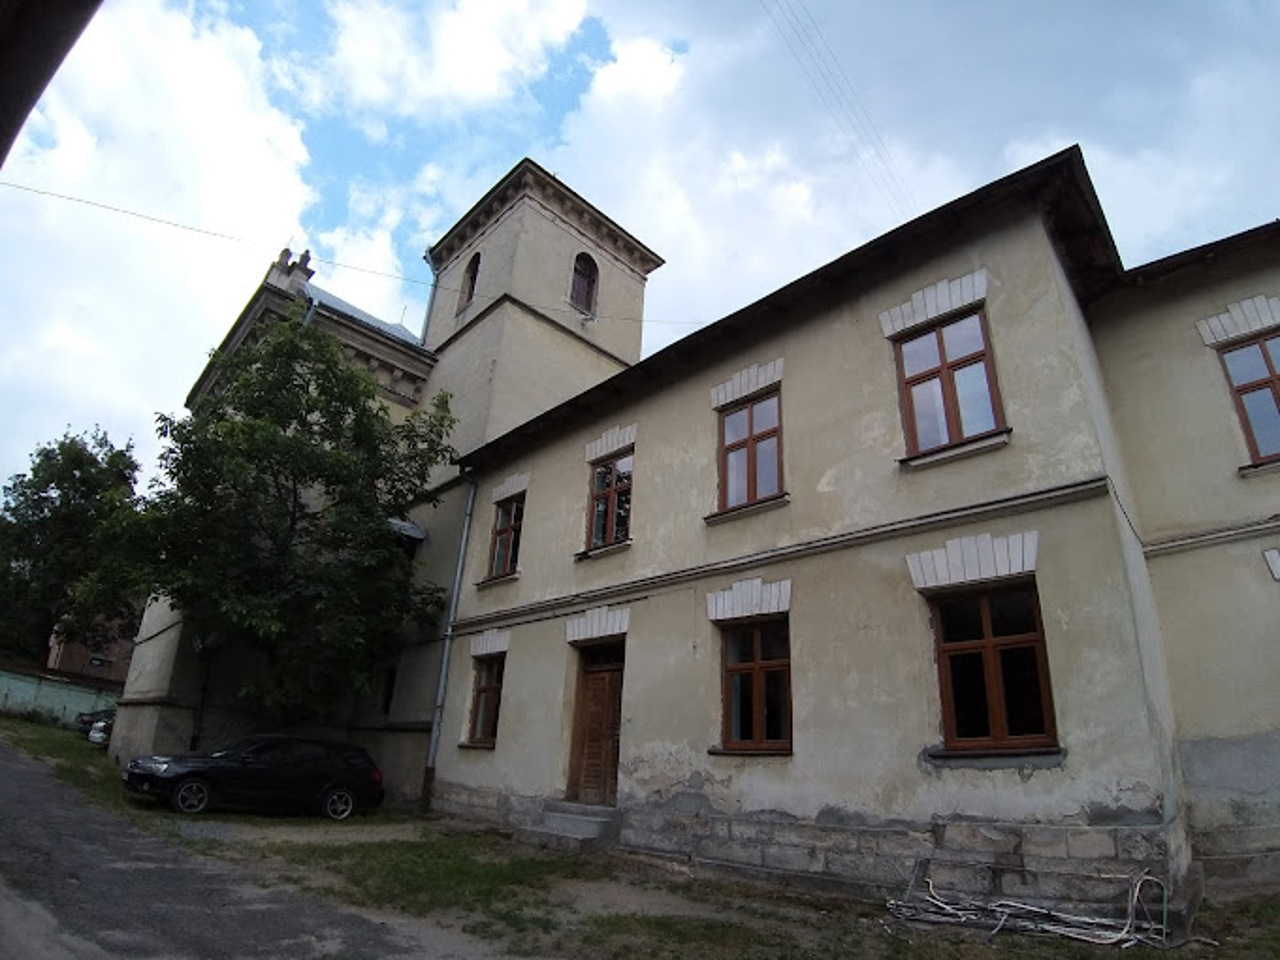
x=571 y=826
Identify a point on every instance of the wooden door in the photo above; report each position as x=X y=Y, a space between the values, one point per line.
x=594 y=775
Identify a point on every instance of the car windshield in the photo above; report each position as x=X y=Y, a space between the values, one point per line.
x=234 y=747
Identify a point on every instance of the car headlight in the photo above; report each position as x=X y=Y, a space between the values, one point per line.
x=153 y=766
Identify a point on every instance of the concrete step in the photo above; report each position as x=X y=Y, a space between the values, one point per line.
x=572 y=825
x=594 y=811
x=537 y=837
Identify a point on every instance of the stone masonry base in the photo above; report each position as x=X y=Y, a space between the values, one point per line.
x=1086 y=867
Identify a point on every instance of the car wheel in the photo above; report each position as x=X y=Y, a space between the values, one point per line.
x=339 y=803
x=191 y=796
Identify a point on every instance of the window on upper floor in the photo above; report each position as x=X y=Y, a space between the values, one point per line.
x=486 y=699
x=992 y=670
x=586 y=276
x=610 y=513
x=504 y=551
x=757 y=686
x=469 y=277
x=948 y=385
x=751 y=452
x=1253 y=370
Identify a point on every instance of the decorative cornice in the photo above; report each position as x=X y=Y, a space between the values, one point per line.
x=632 y=589
x=490 y=642
x=527 y=179
x=611 y=441
x=596 y=623
x=935 y=300
x=1242 y=319
x=745 y=382
x=1211 y=537
x=749 y=598
x=974 y=559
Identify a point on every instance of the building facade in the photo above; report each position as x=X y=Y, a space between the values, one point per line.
x=956 y=558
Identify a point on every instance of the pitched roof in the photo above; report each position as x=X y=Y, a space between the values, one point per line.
x=1058 y=185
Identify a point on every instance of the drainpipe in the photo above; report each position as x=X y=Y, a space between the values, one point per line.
x=431 y=298
x=437 y=716
x=311 y=309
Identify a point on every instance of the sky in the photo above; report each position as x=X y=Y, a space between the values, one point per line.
x=748 y=142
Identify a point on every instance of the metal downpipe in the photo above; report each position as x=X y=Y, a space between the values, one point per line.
x=437 y=715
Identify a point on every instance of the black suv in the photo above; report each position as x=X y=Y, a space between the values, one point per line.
x=272 y=772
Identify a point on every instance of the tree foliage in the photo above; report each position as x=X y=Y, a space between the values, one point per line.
x=274 y=525
x=69 y=540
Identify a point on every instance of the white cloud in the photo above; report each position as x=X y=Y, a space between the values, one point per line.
x=109 y=318
x=441 y=59
x=738 y=202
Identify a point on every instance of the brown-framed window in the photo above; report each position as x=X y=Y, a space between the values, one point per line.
x=586 y=276
x=757 y=686
x=992 y=670
x=469 y=277
x=948 y=384
x=487 y=699
x=751 y=452
x=610 y=515
x=504 y=550
x=1253 y=370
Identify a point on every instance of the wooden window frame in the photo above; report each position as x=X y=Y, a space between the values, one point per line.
x=470 y=275
x=490 y=684
x=584 y=283
x=609 y=496
x=510 y=531
x=1238 y=392
x=749 y=443
x=757 y=669
x=945 y=373
x=999 y=740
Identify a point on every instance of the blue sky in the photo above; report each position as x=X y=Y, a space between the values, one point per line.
x=746 y=141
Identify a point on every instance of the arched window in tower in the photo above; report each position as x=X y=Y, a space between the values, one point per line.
x=585 y=275
x=468 y=291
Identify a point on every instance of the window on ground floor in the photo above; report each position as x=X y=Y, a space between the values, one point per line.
x=757 y=686
x=487 y=699
x=992 y=670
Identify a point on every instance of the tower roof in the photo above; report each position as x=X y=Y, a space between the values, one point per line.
x=527 y=178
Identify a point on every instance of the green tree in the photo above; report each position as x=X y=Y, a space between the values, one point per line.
x=69 y=536
x=274 y=529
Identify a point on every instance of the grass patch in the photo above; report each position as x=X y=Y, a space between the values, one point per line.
x=470 y=873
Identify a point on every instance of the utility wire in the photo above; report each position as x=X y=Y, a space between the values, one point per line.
x=834 y=88
x=123 y=211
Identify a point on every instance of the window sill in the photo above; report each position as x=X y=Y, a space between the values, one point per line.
x=494 y=581
x=603 y=551
x=734 y=752
x=1036 y=758
x=956 y=451
x=1253 y=469
x=746 y=509
x=468 y=745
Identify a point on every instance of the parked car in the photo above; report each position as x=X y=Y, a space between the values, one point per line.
x=84 y=721
x=100 y=732
x=263 y=772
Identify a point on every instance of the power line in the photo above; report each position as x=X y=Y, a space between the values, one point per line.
x=838 y=96
x=124 y=211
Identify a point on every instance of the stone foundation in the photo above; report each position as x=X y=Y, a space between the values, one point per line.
x=1088 y=867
